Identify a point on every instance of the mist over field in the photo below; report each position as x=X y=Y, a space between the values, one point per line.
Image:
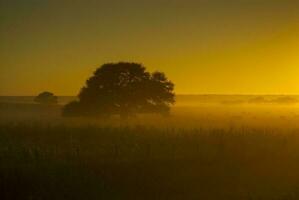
x=168 y=100
x=190 y=111
x=210 y=147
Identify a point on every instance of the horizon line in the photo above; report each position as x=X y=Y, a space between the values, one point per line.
x=181 y=94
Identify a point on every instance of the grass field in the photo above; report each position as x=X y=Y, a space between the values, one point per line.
x=202 y=151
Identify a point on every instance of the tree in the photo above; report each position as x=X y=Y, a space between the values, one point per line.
x=125 y=89
x=46 y=98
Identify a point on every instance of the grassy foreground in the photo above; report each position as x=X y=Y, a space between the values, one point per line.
x=40 y=161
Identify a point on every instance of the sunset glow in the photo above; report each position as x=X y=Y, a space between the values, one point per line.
x=227 y=47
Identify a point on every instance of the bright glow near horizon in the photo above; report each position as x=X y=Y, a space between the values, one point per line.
x=217 y=46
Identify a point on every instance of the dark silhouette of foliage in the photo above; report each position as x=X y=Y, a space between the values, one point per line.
x=46 y=98
x=124 y=89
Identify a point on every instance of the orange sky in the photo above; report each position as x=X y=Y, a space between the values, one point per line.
x=204 y=46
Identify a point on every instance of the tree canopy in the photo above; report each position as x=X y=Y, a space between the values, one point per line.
x=125 y=89
x=46 y=98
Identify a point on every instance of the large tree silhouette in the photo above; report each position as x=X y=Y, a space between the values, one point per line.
x=125 y=89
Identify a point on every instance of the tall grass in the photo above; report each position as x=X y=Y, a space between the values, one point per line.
x=43 y=161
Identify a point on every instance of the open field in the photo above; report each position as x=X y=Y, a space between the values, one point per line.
x=212 y=149
x=168 y=100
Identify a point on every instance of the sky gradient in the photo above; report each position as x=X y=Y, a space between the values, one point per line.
x=204 y=46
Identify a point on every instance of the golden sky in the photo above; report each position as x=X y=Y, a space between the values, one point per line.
x=204 y=46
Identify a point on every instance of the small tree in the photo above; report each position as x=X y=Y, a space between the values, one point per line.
x=46 y=98
x=124 y=89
